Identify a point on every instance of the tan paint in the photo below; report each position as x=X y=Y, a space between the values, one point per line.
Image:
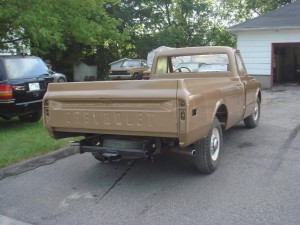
x=178 y=105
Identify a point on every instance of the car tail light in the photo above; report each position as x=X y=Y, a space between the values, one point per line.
x=6 y=91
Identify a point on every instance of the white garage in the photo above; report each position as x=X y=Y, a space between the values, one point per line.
x=270 y=45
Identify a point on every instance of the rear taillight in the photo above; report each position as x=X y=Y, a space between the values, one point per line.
x=6 y=91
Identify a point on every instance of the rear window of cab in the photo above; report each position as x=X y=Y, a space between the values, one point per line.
x=192 y=64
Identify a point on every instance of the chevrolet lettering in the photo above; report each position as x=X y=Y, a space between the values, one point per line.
x=109 y=118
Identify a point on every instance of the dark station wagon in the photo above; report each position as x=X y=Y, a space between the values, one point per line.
x=23 y=83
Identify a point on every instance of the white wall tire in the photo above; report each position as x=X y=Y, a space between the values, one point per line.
x=207 y=151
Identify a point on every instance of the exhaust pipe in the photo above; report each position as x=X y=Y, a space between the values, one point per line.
x=184 y=152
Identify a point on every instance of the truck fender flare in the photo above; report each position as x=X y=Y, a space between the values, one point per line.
x=220 y=103
x=258 y=94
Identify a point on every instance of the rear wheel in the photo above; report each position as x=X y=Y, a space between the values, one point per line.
x=252 y=120
x=32 y=117
x=207 y=151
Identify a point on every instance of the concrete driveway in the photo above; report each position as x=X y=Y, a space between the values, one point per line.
x=257 y=181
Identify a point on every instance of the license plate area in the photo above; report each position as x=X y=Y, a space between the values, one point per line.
x=34 y=86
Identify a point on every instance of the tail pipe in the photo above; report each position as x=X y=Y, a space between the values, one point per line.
x=189 y=152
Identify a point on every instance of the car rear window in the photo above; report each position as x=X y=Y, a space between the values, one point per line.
x=25 y=67
x=192 y=64
x=131 y=63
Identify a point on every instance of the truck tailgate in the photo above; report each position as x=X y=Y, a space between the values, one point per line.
x=143 y=108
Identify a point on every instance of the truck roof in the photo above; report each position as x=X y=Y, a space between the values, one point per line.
x=196 y=50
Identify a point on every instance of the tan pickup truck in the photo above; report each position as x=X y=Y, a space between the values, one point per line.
x=193 y=94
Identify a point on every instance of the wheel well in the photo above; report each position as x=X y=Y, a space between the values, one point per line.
x=259 y=96
x=222 y=114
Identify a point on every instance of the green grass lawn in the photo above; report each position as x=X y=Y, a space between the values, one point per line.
x=20 y=141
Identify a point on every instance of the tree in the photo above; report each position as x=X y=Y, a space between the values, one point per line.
x=48 y=23
x=236 y=11
x=174 y=23
x=263 y=6
x=53 y=28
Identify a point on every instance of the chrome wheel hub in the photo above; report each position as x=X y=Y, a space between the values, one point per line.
x=215 y=144
x=255 y=112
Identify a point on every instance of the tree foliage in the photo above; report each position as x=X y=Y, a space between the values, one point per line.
x=174 y=23
x=49 y=23
x=235 y=11
x=263 y=6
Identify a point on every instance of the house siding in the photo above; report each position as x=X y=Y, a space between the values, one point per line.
x=256 y=49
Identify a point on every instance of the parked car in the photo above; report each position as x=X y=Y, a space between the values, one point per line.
x=23 y=83
x=58 y=77
x=130 y=69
